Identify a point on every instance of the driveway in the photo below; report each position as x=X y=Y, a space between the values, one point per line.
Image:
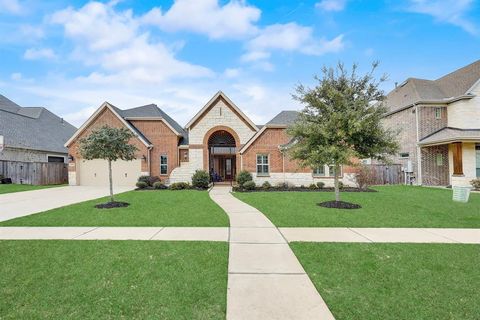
x=19 y=204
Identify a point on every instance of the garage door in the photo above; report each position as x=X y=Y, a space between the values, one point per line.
x=95 y=172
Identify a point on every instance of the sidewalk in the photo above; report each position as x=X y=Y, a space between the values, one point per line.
x=265 y=279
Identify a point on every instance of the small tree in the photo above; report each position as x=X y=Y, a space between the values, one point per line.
x=109 y=144
x=341 y=121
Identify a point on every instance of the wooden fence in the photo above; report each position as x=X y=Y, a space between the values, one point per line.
x=387 y=174
x=38 y=173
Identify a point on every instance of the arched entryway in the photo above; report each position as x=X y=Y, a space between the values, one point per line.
x=222 y=150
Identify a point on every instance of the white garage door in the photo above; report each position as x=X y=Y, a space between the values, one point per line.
x=95 y=172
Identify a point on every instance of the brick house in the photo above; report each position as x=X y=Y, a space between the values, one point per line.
x=438 y=125
x=220 y=139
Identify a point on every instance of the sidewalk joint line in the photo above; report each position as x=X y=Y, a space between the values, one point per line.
x=439 y=235
x=95 y=228
x=361 y=235
x=156 y=233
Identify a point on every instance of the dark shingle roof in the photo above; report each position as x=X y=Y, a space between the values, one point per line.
x=284 y=118
x=452 y=85
x=451 y=134
x=152 y=110
x=33 y=128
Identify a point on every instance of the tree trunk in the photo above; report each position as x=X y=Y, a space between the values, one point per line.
x=335 y=182
x=110 y=179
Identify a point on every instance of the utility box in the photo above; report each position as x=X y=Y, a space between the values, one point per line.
x=461 y=194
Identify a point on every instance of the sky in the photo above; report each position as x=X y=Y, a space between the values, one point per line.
x=71 y=56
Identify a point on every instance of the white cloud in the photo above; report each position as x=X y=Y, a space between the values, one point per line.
x=112 y=41
x=39 y=54
x=289 y=37
x=331 y=5
x=235 y=19
x=98 y=26
x=447 y=11
x=10 y=6
x=16 y=76
x=232 y=72
x=31 y=32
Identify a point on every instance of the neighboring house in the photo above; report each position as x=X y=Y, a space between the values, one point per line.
x=439 y=126
x=32 y=134
x=220 y=139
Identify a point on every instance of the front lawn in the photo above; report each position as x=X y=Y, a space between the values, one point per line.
x=395 y=281
x=10 y=188
x=392 y=206
x=113 y=280
x=186 y=208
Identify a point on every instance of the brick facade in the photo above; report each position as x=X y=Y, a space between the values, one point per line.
x=428 y=123
x=435 y=168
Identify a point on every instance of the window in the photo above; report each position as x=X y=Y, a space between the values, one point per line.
x=404 y=154
x=439 y=159
x=331 y=169
x=163 y=164
x=262 y=164
x=438 y=113
x=55 y=159
x=319 y=172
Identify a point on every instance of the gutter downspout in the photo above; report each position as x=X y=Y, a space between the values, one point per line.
x=419 y=149
x=149 y=149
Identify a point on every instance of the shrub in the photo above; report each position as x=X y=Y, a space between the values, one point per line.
x=313 y=186
x=200 y=179
x=320 y=185
x=141 y=184
x=179 y=186
x=340 y=185
x=284 y=185
x=266 y=185
x=243 y=177
x=249 y=185
x=159 y=185
x=475 y=183
x=365 y=177
x=149 y=180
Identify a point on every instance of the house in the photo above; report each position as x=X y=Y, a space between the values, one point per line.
x=220 y=139
x=439 y=127
x=32 y=134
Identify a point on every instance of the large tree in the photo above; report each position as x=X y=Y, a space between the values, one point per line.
x=341 y=121
x=109 y=144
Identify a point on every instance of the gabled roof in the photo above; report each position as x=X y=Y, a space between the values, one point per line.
x=209 y=105
x=454 y=85
x=281 y=120
x=33 y=128
x=116 y=112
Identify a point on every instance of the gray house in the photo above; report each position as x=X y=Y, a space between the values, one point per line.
x=32 y=134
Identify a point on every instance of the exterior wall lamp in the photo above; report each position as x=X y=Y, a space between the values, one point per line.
x=70 y=157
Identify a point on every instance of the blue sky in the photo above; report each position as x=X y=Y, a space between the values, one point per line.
x=70 y=56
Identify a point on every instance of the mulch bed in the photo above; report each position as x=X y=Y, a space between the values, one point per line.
x=339 y=205
x=305 y=189
x=110 y=205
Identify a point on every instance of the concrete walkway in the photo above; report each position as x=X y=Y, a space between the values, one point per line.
x=114 y=233
x=265 y=279
x=19 y=204
x=382 y=235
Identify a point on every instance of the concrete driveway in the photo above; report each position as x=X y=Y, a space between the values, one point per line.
x=19 y=204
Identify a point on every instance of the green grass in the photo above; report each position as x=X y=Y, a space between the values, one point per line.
x=395 y=281
x=113 y=280
x=10 y=188
x=147 y=208
x=392 y=206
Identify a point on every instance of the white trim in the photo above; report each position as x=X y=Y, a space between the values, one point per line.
x=94 y=116
x=156 y=119
x=211 y=101
x=449 y=140
x=469 y=91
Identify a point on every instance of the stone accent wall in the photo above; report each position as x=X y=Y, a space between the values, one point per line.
x=220 y=114
x=428 y=124
x=106 y=117
x=404 y=123
x=27 y=155
x=164 y=141
x=435 y=165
